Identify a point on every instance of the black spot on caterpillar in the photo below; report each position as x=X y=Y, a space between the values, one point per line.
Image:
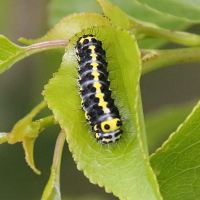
x=94 y=90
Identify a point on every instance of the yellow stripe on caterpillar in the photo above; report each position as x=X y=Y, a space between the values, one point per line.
x=96 y=75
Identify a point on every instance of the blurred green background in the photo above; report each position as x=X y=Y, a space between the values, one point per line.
x=20 y=91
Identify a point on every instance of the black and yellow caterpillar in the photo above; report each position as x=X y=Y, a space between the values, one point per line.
x=94 y=90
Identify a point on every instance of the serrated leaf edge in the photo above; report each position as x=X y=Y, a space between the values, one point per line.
x=177 y=130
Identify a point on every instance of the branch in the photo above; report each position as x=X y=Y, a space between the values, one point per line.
x=154 y=59
x=179 y=37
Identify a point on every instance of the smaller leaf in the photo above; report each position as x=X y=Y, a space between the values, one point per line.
x=105 y=5
x=8 y=51
x=24 y=126
x=52 y=189
x=27 y=131
x=176 y=163
x=11 y=53
x=115 y=15
x=28 y=144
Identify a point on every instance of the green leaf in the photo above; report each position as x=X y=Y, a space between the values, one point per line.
x=176 y=163
x=70 y=25
x=142 y=12
x=161 y=123
x=8 y=51
x=11 y=53
x=122 y=168
x=25 y=131
x=25 y=125
x=52 y=189
x=114 y=14
x=184 y=9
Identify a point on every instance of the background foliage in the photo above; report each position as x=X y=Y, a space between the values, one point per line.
x=170 y=85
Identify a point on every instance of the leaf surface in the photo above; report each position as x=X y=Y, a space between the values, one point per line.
x=183 y=9
x=114 y=14
x=176 y=163
x=11 y=53
x=8 y=52
x=25 y=131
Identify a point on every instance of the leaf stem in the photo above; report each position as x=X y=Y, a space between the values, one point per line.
x=48 y=45
x=52 y=189
x=58 y=150
x=45 y=122
x=179 y=37
x=154 y=59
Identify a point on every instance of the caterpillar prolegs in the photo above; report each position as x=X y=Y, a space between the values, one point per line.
x=94 y=90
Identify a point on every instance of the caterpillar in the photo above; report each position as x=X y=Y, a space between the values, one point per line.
x=93 y=84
